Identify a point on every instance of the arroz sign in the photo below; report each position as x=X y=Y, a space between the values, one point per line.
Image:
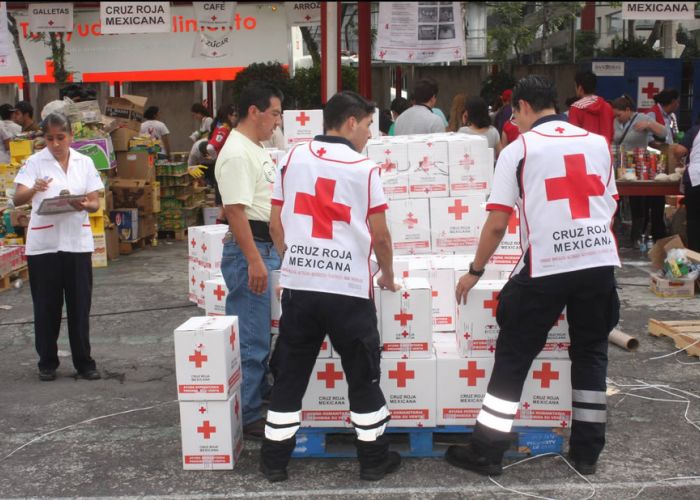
x=659 y=11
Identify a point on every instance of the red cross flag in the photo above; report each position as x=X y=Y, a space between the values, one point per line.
x=647 y=88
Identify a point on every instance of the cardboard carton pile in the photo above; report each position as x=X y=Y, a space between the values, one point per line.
x=181 y=200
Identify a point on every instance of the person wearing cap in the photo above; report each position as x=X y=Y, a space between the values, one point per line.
x=561 y=179
x=59 y=246
x=504 y=114
x=8 y=130
x=326 y=240
x=25 y=117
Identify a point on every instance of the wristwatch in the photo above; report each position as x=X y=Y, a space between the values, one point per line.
x=474 y=272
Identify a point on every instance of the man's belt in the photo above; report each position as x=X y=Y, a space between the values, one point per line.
x=260 y=230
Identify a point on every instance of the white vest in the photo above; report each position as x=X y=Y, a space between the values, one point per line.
x=325 y=188
x=567 y=206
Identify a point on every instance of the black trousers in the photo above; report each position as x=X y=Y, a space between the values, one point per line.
x=527 y=310
x=643 y=209
x=351 y=324
x=692 y=206
x=51 y=277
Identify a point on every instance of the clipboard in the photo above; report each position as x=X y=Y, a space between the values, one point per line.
x=59 y=204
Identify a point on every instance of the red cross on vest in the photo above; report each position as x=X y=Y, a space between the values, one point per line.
x=321 y=152
x=492 y=303
x=560 y=318
x=403 y=318
x=577 y=186
x=232 y=338
x=559 y=130
x=513 y=222
x=650 y=90
x=219 y=293
x=401 y=374
x=472 y=373
x=322 y=209
x=458 y=209
x=330 y=376
x=302 y=118
x=206 y=429
x=545 y=375
x=198 y=358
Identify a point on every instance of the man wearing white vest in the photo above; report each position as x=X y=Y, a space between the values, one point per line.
x=328 y=214
x=561 y=179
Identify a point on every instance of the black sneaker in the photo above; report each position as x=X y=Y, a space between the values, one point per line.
x=273 y=475
x=465 y=457
x=255 y=430
x=90 y=375
x=46 y=375
x=391 y=464
x=584 y=468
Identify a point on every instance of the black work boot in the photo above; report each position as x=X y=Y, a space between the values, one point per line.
x=376 y=461
x=584 y=467
x=274 y=458
x=466 y=457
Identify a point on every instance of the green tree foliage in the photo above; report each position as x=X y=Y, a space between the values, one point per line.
x=306 y=85
x=585 y=44
x=495 y=85
x=631 y=48
x=273 y=73
x=510 y=32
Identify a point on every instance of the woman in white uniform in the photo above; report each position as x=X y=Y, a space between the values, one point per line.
x=59 y=246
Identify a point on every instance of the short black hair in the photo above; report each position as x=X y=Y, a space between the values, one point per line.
x=257 y=94
x=385 y=121
x=666 y=96
x=342 y=106
x=200 y=108
x=151 y=112
x=399 y=105
x=587 y=80
x=424 y=90
x=477 y=112
x=537 y=90
x=6 y=111
x=25 y=108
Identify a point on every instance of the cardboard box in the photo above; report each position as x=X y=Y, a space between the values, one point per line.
x=136 y=165
x=112 y=239
x=456 y=223
x=215 y=293
x=84 y=111
x=442 y=285
x=206 y=244
x=326 y=349
x=135 y=193
x=407 y=320
x=409 y=388
x=192 y=277
x=212 y=433
x=509 y=252
x=99 y=149
x=471 y=165
x=302 y=125
x=121 y=138
x=275 y=303
x=21 y=148
x=99 y=255
x=147 y=225
x=127 y=222
x=392 y=159
x=546 y=397
x=427 y=177
x=658 y=252
x=202 y=275
x=97 y=225
x=676 y=289
x=207 y=358
x=409 y=223
x=20 y=218
x=325 y=402
x=109 y=201
x=127 y=110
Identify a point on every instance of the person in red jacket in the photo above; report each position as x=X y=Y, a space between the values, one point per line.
x=591 y=112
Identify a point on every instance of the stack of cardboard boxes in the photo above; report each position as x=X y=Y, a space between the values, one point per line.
x=182 y=201
x=208 y=371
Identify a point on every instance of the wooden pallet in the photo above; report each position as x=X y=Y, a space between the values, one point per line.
x=685 y=334
x=180 y=235
x=422 y=442
x=7 y=280
x=128 y=247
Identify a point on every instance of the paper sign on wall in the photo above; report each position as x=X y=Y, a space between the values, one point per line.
x=420 y=32
x=659 y=11
x=214 y=15
x=647 y=88
x=5 y=41
x=50 y=17
x=303 y=13
x=209 y=45
x=608 y=68
x=135 y=17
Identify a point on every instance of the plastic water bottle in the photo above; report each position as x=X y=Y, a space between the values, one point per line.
x=642 y=245
x=650 y=243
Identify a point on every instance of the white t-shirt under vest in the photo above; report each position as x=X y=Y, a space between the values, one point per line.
x=561 y=178
x=327 y=192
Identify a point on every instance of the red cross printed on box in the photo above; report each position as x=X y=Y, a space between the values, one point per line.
x=202 y=410
x=194 y=280
x=576 y=187
x=466 y=161
x=193 y=242
x=329 y=376
x=513 y=222
x=206 y=429
x=403 y=318
x=406 y=295
x=467 y=336
x=387 y=152
x=526 y=405
x=388 y=165
x=322 y=209
x=201 y=285
x=219 y=293
x=410 y=220
x=424 y=164
x=650 y=90
x=404 y=334
x=458 y=209
x=491 y=348
x=302 y=118
x=198 y=358
x=472 y=373
x=401 y=374
x=204 y=248
x=563 y=423
x=321 y=152
x=434 y=293
x=492 y=303
x=232 y=338
x=545 y=375
x=559 y=130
